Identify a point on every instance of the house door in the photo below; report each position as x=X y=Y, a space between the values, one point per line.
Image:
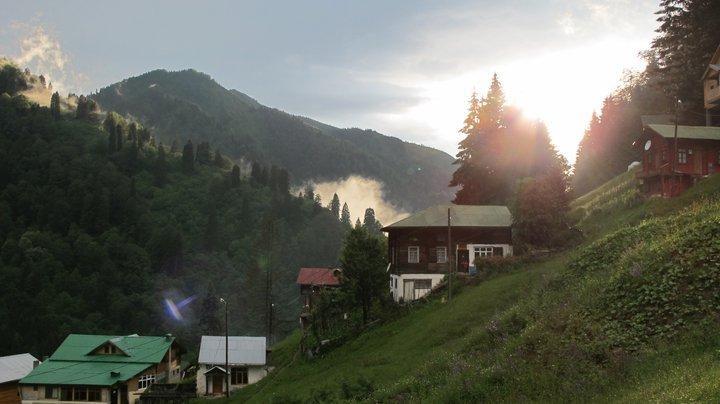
x=463 y=260
x=699 y=161
x=218 y=381
x=408 y=291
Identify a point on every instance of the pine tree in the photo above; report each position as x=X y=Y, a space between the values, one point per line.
x=112 y=142
x=212 y=229
x=161 y=168
x=209 y=317
x=188 y=158
x=174 y=147
x=480 y=174
x=82 y=110
x=363 y=260
x=119 y=136
x=335 y=206
x=203 y=153
x=256 y=174
x=345 y=215
x=218 y=160
x=283 y=182
x=133 y=131
x=370 y=223
x=55 y=106
x=235 y=176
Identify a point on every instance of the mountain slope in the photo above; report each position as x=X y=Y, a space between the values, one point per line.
x=630 y=315
x=188 y=104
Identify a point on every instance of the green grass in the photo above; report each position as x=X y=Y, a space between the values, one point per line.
x=630 y=315
x=392 y=351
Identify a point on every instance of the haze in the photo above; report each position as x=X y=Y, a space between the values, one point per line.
x=404 y=68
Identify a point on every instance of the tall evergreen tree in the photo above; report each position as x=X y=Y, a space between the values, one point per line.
x=480 y=173
x=363 y=260
x=82 y=110
x=160 y=171
x=55 y=105
x=256 y=174
x=283 y=182
x=345 y=215
x=188 y=158
x=218 y=159
x=174 y=147
x=208 y=318
x=370 y=223
x=235 y=176
x=212 y=229
x=119 y=136
x=335 y=206
x=203 y=153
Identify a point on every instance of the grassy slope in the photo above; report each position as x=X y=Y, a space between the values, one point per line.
x=463 y=350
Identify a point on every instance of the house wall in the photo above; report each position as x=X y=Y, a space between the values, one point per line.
x=397 y=284
x=9 y=393
x=32 y=396
x=255 y=374
x=160 y=371
x=428 y=239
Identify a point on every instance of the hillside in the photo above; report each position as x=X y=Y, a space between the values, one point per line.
x=94 y=236
x=188 y=104
x=631 y=314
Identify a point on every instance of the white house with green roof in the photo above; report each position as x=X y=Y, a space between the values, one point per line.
x=103 y=369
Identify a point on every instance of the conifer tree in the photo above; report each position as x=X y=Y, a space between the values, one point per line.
x=283 y=182
x=255 y=174
x=161 y=168
x=203 y=153
x=235 y=176
x=363 y=261
x=55 y=106
x=345 y=215
x=119 y=136
x=212 y=229
x=480 y=159
x=218 y=160
x=112 y=141
x=370 y=223
x=82 y=110
x=209 y=317
x=335 y=206
x=174 y=146
x=188 y=158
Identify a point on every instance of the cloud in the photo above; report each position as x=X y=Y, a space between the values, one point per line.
x=42 y=53
x=567 y=23
x=361 y=193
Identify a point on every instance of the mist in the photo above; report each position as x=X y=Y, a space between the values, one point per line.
x=361 y=193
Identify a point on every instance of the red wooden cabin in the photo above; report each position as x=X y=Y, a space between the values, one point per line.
x=669 y=169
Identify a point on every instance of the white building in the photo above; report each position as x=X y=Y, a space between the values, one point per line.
x=247 y=362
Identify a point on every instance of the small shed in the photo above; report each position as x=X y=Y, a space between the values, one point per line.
x=312 y=280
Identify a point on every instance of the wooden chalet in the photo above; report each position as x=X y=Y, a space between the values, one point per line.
x=669 y=169
x=426 y=245
x=12 y=369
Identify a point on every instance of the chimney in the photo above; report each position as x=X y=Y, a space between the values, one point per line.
x=36 y=363
x=168 y=337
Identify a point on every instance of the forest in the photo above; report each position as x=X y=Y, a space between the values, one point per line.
x=101 y=228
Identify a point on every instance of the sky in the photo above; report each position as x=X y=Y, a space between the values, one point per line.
x=403 y=68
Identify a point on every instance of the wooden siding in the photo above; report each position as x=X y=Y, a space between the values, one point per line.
x=9 y=393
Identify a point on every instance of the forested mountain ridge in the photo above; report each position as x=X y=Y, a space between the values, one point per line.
x=190 y=105
x=96 y=232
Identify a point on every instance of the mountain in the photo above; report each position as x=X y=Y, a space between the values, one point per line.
x=190 y=105
x=629 y=315
x=100 y=236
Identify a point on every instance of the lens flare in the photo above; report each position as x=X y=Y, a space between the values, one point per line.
x=173 y=309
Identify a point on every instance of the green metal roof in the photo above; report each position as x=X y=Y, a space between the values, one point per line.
x=71 y=363
x=687 y=132
x=460 y=215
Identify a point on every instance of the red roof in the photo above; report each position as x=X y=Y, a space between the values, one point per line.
x=318 y=277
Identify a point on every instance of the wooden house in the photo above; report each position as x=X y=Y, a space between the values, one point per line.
x=669 y=169
x=313 y=280
x=103 y=369
x=12 y=369
x=424 y=246
x=247 y=363
x=711 y=90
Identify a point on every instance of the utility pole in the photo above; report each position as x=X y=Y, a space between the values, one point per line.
x=448 y=259
x=227 y=362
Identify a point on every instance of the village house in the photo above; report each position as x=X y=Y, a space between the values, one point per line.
x=103 y=369
x=12 y=369
x=247 y=363
x=711 y=90
x=667 y=169
x=313 y=280
x=423 y=246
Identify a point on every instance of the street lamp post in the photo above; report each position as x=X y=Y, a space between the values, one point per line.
x=227 y=364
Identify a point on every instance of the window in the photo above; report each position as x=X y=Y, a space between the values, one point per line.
x=682 y=156
x=145 y=380
x=77 y=393
x=483 y=252
x=442 y=255
x=50 y=392
x=413 y=255
x=94 y=394
x=422 y=284
x=239 y=375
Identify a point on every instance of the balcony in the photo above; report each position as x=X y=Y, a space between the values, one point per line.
x=420 y=268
